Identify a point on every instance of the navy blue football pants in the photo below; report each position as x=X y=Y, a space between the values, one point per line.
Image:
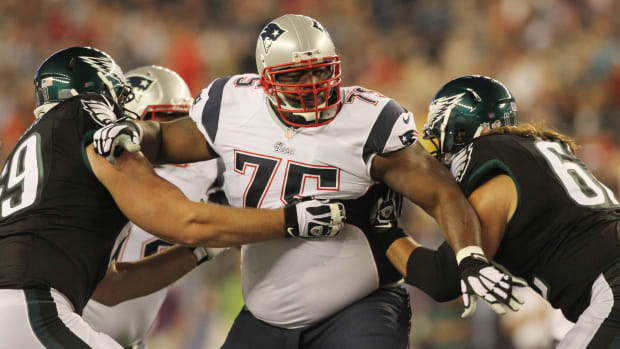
x=380 y=320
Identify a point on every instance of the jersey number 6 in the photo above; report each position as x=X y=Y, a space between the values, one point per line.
x=578 y=182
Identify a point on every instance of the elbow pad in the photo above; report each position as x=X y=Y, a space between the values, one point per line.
x=435 y=272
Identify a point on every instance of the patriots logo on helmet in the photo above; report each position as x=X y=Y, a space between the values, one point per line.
x=270 y=34
x=139 y=82
x=317 y=25
x=409 y=137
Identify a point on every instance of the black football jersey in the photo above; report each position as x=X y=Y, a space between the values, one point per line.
x=57 y=221
x=563 y=233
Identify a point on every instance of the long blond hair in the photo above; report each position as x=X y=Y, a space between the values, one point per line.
x=538 y=129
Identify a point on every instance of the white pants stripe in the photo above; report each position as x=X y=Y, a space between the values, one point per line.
x=599 y=324
x=17 y=316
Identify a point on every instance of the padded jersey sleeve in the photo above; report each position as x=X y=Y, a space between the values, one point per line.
x=394 y=129
x=205 y=111
x=477 y=162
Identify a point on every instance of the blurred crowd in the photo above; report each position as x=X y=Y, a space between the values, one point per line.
x=560 y=58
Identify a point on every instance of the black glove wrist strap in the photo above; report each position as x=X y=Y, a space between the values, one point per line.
x=291 y=224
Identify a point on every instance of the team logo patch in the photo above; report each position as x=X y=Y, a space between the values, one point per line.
x=279 y=147
x=270 y=34
x=318 y=26
x=139 y=83
x=100 y=112
x=440 y=110
x=102 y=64
x=47 y=82
x=105 y=66
x=460 y=161
x=409 y=137
x=198 y=98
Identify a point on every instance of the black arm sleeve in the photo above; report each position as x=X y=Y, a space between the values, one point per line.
x=435 y=272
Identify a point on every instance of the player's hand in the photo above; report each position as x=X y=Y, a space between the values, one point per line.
x=387 y=207
x=111 y=140
x=204 y=254
x=480 y=279
x=314 y=218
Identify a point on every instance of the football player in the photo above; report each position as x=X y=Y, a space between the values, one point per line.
x=62 y=207
x=160 y=94
x=544 y=216
x=292 y=130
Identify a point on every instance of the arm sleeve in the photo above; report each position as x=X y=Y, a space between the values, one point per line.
x=435 y=272
x=393 y=130
x=205 y=111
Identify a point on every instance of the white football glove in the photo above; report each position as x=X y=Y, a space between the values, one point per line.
x=480 y=279
x=204 y=254
x=311 y=219
x=111 y=140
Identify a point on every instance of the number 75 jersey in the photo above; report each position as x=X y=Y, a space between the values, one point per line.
x=290 y=282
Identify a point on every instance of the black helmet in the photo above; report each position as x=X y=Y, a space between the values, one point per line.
x=463 y=108
x=75 y=70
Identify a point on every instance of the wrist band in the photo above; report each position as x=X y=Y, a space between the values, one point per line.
x=470 y=251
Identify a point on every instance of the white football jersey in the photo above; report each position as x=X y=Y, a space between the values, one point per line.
x=293 y=282
x=129 y=322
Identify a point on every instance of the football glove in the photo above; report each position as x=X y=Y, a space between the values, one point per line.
x=111 y=140
x=312 y=219
x=387 y=208
x=480 y=279
x=204 y=254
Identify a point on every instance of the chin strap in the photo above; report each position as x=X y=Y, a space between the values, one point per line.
x=307 y=116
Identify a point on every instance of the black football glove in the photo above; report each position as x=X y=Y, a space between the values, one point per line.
x=480 y=279
x=111 y=140
x=387 y=208
x=311 y=219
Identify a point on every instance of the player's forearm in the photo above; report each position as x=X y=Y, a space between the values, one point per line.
x=399 y=251
x=128 y=280
x=162 y=209
x=457 y=220
x=223 y=226
x=151 y=139
x=425 y=181
x=456 y=217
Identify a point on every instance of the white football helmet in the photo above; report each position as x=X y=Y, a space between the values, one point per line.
x=158 y=92
x=295 y=44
